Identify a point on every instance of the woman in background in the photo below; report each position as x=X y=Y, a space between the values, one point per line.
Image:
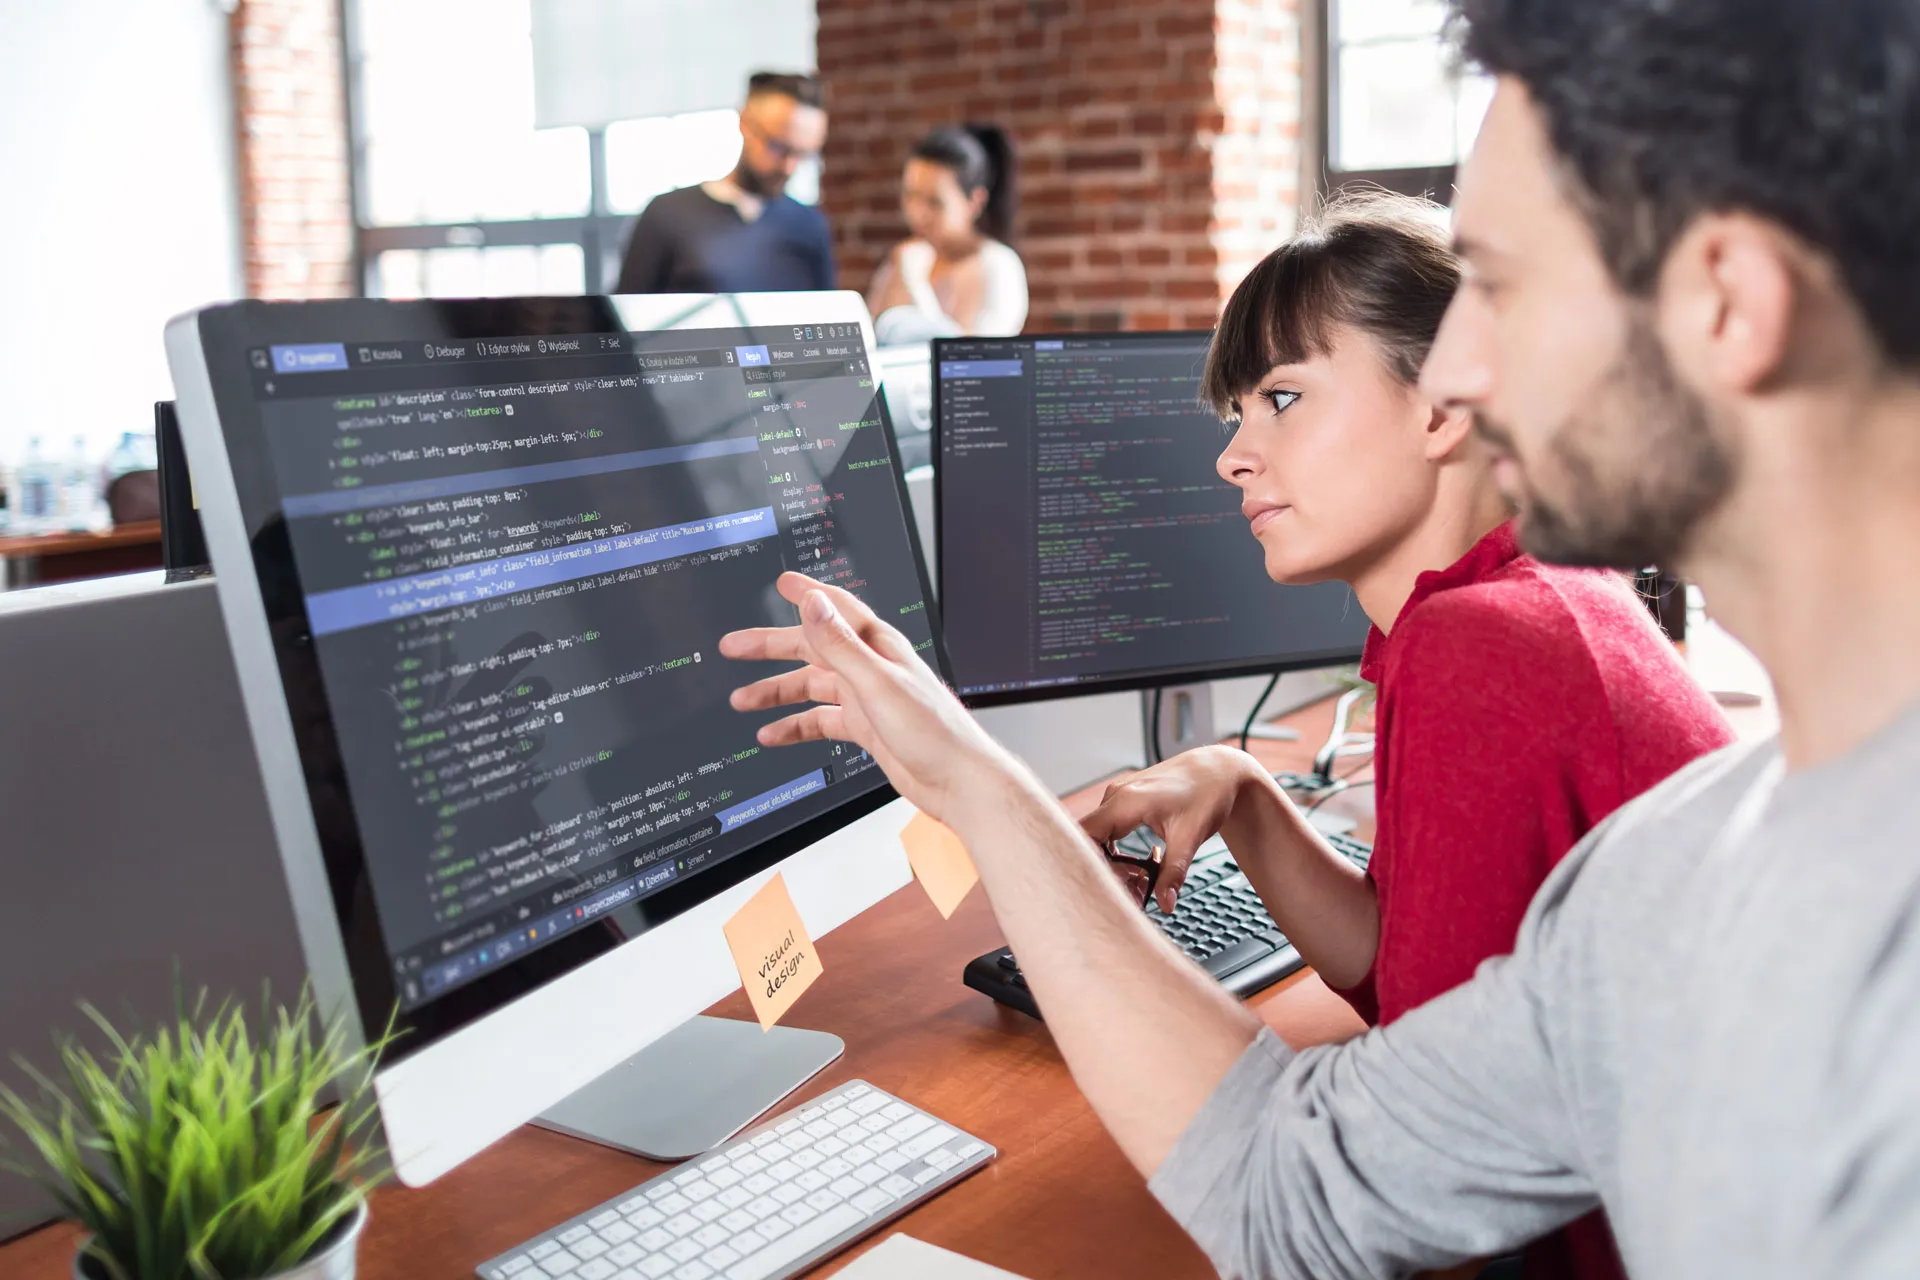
x=956 y=275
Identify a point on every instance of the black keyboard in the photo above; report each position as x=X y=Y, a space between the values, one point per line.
x=1218 y=920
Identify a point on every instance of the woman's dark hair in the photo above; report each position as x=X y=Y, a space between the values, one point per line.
x=980 y=156
x=1806 y=114
x=1373 y=260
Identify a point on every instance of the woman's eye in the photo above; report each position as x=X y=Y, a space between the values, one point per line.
x=1279 y=400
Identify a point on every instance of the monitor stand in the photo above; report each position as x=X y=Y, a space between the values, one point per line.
x=1185 y=720
x=693 y=1088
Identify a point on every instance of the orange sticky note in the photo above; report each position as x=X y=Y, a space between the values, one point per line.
x=776 y=958
x=940 y=862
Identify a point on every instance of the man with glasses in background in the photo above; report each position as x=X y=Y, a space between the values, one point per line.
x=743 y=233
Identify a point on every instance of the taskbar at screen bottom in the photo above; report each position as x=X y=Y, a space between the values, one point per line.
x=472 y=952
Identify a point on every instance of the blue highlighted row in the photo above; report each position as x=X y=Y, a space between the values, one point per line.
x=380 y=495
x=981 y=369
x=349 y=607
x=768 y=801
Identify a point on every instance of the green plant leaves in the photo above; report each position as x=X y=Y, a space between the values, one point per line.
x=196 y=1153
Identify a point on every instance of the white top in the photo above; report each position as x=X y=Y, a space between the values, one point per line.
x=1003 y=300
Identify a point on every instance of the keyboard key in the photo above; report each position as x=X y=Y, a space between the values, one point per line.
x=876 y=1123
x=796 y=1245
x=572 y=1234
x=776 y=1151
x=672 y=1204
x=970 y=1150
x=868 y=1174
x=788 y=1192
x=708 y=1210
x=695 y=1270
x=836 y=1168
x=625 y=1255
x=646 y=1216
x=869 y=1104
x=738 y=1220
x=891 y=1161
x=684 y=1250
x=925 y=1176
x=896 y=1111
x=591 y=1247
x=698 y=1189
x=601 y=1221
x=908 y=1128
x=896 y=1185
x=656 y=1266
x=734 y=1197
x=856 y=1090
x=845 y=1187
x=942 y=1159
x=830 y=1146
x=821 y=1129
x=749 y=1164
x=807 y=1159
x=823 y=1199
x=760 y=1184
x=618 y=1233
x=872 y=1200
x=785 y=1171
x=656 y=1239
x=545 y=1249
x=723 y=1177
x=514 y=1266
x=681 y=1224
x=934 y=1137
x=774 y=1228
x=811 y=1180
x=880 y=1142
x=763 y=1207
x=559 y=1264
x=710 y=1235
x=799 y=1213
x=595 y=1269
x=721 y=1256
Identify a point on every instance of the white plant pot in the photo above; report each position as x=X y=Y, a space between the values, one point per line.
x=334 y=1261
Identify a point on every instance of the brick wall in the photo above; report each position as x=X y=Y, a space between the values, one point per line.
x=295 y=188
x=1158 y=139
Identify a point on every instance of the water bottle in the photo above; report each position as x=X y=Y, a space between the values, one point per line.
x=124 y=458
x=33 y=491
x=81 y=498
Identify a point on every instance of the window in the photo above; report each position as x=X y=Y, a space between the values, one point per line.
x=1397 y=112
x=459 y=194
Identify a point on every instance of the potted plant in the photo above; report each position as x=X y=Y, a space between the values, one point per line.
x=197 y=1153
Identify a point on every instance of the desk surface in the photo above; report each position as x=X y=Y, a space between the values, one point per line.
x=40 y=545
x=1060 y=1201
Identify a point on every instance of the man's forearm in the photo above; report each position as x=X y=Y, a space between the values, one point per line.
x=1323 y=903
x=1146 y=1033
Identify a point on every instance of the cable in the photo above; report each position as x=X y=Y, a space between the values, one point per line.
x=1153 y=731
x=1253 y=716
x=1331 y=792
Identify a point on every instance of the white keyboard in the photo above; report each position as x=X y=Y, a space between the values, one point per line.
x=771 y=1203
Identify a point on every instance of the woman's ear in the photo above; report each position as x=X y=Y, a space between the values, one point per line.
x=1448 y=429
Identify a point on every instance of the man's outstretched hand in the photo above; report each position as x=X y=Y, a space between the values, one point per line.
x=869 y=688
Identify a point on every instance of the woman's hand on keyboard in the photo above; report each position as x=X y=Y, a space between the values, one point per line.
x=1187 y=800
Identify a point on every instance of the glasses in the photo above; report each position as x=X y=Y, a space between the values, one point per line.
x=777 y=149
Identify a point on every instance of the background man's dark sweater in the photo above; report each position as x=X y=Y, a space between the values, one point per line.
x=688 y=242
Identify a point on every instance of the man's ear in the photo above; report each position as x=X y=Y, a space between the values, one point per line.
x=1448 y=428
x=1726 y=304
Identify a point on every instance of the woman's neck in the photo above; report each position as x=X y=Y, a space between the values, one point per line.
x=958 y=250
x=1448 y=532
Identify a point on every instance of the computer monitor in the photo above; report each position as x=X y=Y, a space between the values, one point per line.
x=474 y=560
x=1085 y=541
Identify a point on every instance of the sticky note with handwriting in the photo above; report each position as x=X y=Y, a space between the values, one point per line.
x=776 y=958
x=940 y=862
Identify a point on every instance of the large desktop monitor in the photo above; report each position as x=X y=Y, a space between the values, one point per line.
x=474 y=559
x=1085 y=541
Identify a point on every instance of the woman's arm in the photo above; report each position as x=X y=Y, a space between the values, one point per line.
x=1002 y=309
x=888 y=289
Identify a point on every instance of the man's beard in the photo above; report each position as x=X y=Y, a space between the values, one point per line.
x=1625 y=511
x=757 y=184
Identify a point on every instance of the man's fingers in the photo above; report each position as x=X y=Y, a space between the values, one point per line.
x=770 y=644
x=861 y=619
x=1173 y=871
x=808 y=684
x=1134 y=879
x=812 y=725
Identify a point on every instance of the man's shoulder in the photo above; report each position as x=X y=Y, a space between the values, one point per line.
x=684 y=204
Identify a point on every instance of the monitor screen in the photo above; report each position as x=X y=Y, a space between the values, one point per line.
x=497 y=544
x=1086 y=542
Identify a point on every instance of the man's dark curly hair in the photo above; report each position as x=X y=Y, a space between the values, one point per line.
x=1803 y=112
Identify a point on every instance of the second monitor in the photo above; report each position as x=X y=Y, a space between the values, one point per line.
x=1085 y=541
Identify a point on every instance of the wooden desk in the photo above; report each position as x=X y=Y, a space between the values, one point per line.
x=63 y=557
x=1060 y=1201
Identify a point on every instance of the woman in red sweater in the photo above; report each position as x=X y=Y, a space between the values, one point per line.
x=1518 y=703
